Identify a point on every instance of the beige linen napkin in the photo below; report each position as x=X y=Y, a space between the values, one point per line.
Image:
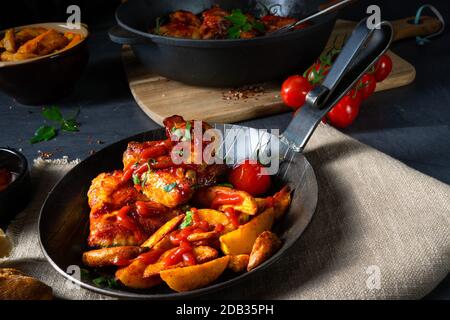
x=381 y=231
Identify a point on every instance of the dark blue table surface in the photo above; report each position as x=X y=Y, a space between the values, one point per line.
x=411 y=123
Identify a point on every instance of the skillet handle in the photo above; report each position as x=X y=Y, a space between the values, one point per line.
x=361 y=51
x=119 y=35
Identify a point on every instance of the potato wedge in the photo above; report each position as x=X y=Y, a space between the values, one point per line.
x=215 y=217
x=133 y=276
x=155 y=269
x=281 y=202
x=164 y=244
x=202 y=254
x=265 y=246
x=238 y=262
x=241 y=241
x=194 y=277
x=165 y=229
x=209 y=197
x=205 y=253
x=9 y=41
x=115 y=256
x=200 y=236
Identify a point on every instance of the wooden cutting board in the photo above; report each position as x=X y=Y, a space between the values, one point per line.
x=159 y=97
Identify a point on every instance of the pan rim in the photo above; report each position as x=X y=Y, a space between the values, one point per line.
x=172 y=295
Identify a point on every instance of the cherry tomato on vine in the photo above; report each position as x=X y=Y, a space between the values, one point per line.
x=367 y=86
x=250 y=177
x=317 y=72
x=355 y=94
x=294 y=91
x=344 y=112
x=383 y=68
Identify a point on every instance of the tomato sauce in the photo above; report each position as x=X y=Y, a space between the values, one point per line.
x=143 y=209
x=126 y=221
x=233 y=216
x=150 y=257
x=6 y=178
x=222 y=198
x=183 y=253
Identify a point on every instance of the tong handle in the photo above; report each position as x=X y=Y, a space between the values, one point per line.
x=361 y=51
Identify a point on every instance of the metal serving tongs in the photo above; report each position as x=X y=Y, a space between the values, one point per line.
x=323 y=10
x=361 y=51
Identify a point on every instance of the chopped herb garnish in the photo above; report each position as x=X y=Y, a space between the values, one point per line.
x=84 y=273
x=144 y=178
x=240 y=23
x=169 y=187
x=187 y=221
x=187 y=131
x=159 y=22
x=105 y=282
x=52 y=113
x=43 y=133
x=136 y=179
x=178 y=133
x=47 y=132
x=225 y=184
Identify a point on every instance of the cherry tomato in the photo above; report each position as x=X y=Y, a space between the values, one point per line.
x=367 y=86
x=383 y=68
x=344 y=112
x=294 y=91
x=250 y=177
x=355 y=94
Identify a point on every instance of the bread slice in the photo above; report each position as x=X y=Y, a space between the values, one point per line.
x=14 y=285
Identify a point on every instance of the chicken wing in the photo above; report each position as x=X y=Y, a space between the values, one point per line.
x=183 y=24
x=120 y=215
x=108 y=192
x=170 y=187
x=215 y=25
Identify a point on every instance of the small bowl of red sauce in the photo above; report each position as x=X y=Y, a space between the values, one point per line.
x=15 y=184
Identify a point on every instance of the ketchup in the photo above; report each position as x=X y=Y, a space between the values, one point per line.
x=128 y=222
x=183 y=253
x=222 y=198
x=5 y=179
x=150 y=257
x=232 y=215
x=143 y=210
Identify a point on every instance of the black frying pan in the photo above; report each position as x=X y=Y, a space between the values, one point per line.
x=222 y=62
x=64 y=218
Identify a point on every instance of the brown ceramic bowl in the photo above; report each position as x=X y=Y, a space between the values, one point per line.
x=47 y=78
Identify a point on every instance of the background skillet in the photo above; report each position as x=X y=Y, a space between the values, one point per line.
x=221 y=62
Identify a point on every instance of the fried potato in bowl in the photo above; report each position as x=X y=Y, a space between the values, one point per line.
x=40 y=63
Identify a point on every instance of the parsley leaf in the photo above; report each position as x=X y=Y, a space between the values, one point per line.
x=169 y=187
x=105 y=281
x=144 y=178
x=136 y=179
x=70 y=125
x=225 y=184
x=159 y=22
x=240 y=23
x=187 y=221
x=187 y=131
x=43 y=133
x=52 y=113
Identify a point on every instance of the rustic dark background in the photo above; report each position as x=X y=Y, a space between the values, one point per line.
x=411 y=123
